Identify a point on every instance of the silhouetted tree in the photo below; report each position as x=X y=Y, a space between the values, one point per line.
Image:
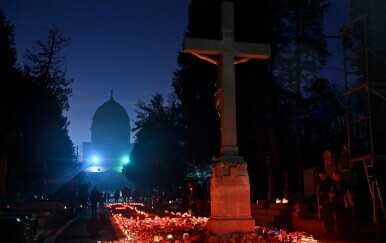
x=45 y=135
x=154 y=161
x=323 y=120
x=265 y=89
x=8 y=52
x=34 y=130
x=46 y=64
x=193 y=84
x=365 y=37
x=7 y=97
x=7 y=70
x=303 y=53
x=48 y=149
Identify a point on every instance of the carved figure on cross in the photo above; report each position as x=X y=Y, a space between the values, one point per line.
x=228 y=52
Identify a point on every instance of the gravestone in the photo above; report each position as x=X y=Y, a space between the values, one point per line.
x=329 y=162
x=230 y=188
x=310 y=176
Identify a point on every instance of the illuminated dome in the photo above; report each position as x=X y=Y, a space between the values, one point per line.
x=110 y=145
x=110 y=123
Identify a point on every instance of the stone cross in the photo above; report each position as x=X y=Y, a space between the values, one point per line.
x=227 y=49
x=230 y=188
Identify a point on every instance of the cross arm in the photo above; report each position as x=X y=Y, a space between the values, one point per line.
x=252 y=50
x=202 y=46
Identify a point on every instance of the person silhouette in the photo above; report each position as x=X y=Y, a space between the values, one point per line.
x=94 y=198
x=116 y=196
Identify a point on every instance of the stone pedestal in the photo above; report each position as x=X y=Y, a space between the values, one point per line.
x=230 y=197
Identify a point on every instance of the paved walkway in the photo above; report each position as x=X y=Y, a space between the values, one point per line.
x=87 y=229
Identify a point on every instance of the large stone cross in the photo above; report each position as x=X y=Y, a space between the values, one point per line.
x=229 y=189
x=227 y=49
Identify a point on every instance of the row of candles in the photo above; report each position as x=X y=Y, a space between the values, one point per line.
x=179 y=228
x=284 y=200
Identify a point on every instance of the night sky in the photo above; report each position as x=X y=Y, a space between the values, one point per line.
x=129 y=46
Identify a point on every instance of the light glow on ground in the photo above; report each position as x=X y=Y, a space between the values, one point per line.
x=140 y=223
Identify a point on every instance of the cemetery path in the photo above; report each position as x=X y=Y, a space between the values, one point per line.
x=87 y=229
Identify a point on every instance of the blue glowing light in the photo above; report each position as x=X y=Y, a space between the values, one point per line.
x=95 y=159
x=125 y=160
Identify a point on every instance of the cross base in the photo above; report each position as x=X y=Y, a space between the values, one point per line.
x=230 y=197
x=228 y=226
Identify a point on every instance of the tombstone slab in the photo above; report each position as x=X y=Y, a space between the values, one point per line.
x=329 y=162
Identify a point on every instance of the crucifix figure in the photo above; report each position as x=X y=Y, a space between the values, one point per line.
x=230 y=189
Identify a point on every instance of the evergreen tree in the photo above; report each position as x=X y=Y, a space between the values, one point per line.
x=46 y=63
x=301 y=48
x=7 y=86
x=34 y=133
x=8 y=52
x=46 y=140
x=323 y=120
x=7 y=99
x=302 y=55
x=154 y=161
x=194 y=85
x=43 y=147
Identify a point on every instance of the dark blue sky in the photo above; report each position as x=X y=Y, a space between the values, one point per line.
x=129 y=46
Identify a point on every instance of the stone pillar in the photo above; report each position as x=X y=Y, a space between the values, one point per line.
x=230 y=197
x=226 y=77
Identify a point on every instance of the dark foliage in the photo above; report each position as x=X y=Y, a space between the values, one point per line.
x=193 y=83
x=265 y=89
x=46 y=64
x=7 y=89
x=364 y=39
x=34 y=133
x=154 y=162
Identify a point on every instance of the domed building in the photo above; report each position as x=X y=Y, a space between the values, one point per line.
x=110 y=145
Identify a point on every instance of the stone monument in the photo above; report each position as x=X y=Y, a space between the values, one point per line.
x=329 y=162
x=230 y=188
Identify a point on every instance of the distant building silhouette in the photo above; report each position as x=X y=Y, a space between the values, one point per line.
x=110 y=145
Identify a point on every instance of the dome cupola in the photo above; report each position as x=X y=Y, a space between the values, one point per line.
x=110 y=123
